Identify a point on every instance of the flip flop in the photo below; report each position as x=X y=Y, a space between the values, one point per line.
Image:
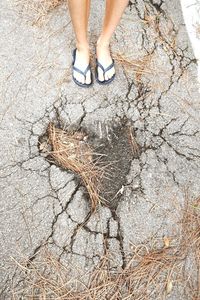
x=98 y=64
x=81 y=72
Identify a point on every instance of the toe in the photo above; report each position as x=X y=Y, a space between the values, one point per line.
x=106 y=76
x=100 y=74
x=88 y=77
x=111 y=72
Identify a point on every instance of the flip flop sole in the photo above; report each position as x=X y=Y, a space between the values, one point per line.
x=82 y=84
x=105 y=81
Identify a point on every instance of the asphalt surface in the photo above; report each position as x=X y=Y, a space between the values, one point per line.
x=158 y=97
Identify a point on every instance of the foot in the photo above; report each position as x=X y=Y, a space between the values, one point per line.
x=105 y=59
x=81 y=62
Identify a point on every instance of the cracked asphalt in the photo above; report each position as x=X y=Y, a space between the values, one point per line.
x=42 y=204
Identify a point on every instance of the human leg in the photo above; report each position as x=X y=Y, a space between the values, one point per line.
x=113 y=14
x=79 y=12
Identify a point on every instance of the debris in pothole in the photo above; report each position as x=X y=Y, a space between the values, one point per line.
x=103 y=163
x=71 y=151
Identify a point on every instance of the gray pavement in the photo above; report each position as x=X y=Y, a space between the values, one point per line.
x=42 y=204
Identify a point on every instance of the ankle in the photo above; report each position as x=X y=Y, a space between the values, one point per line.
x=104 y=43
x=83 y=47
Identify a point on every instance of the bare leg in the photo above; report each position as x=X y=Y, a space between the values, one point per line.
x=113 y=13
x=79 y=12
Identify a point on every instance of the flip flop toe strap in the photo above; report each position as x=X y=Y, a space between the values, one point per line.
x=82 y=72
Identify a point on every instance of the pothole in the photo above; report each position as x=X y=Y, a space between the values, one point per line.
x=102 y=163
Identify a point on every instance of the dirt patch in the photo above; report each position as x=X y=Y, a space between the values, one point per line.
x=119 y=151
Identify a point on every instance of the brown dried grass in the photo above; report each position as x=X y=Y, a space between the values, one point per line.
x=37 y=10
x=149 y=274
x=72 y=152
x=139 y=67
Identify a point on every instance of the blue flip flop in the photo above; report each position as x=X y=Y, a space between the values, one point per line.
x=98 y=64
x=81 y=72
